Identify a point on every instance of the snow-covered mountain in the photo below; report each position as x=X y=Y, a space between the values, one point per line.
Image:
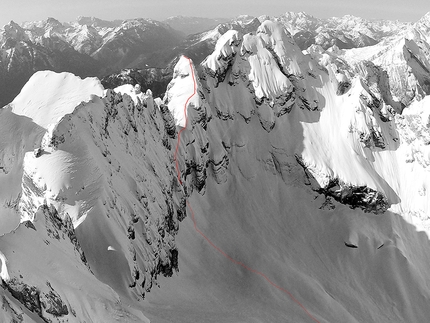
x=87 y=47
x=344 y=32
x=197 y=47
x=193 y=25
x=93 y=47
x=23 y=53
x=269 y=184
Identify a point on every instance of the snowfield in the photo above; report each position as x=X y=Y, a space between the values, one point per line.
x=308 y=167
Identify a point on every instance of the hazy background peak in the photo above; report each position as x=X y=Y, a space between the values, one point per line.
x=66 y=10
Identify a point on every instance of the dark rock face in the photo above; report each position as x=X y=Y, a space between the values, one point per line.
x=363 y=197
x=29 y=296
x=155 y=79
x=167 y=269
x=58 y=228
x=52 y=303
x=343 y=87
x=37 y=301
x=169 y=121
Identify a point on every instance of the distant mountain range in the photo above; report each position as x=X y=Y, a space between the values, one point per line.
x=145 y=50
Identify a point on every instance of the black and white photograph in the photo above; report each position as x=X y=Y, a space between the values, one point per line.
x=221 y=161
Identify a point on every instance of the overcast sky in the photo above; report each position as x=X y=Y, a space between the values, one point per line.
x=68 y=10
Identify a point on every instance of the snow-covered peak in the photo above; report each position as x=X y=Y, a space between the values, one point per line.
x=224 y=49
x=299 y=16
x=48 y=96
x=243 y=19
x=12 y=32
x=96 y=22
x=425 y=18
x=182 y=91
x=280 y=41
x=423 y=25
x=54 y=23
x=296 y=22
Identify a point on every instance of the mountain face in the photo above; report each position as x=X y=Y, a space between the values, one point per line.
x=196 y=46
x=156 y=79
x=23 y=54
x=93 y=47
x=269 y=184
x=193 y=25
x=340 y=32
x=344 y=32
x=87 y=47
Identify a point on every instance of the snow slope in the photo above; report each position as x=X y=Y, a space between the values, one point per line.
x=271 y=199
x=47 y=97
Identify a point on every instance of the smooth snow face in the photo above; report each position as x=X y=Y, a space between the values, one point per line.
x=181 y=88
x=48 y=96
x=4 y=274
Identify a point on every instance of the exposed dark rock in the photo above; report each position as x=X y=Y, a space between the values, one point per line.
x=52 y=303
x=363 y=197
x=343 y=87
x=29 y=296
x=169 y=121
x=58 y=228
x=350 y=245
x=30 y=225
x=372 y=139
x=172 y=264
x=131 y=233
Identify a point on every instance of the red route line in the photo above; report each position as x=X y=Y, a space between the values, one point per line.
x=203 y=235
